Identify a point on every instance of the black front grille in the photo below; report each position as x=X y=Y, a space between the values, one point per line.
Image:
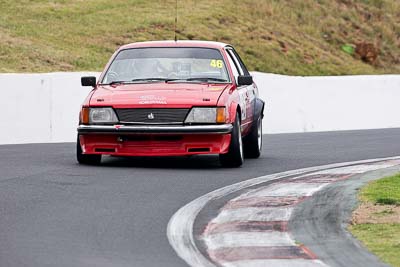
x=152 y=115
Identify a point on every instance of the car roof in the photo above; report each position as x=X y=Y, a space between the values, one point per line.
x=183 y=43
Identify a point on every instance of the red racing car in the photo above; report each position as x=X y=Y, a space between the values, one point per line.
x=172 y=98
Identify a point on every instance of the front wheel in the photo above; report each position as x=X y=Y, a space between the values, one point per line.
x=234 y=157
x=86 y=159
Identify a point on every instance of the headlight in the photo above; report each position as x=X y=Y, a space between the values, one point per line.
x=206 y=115
x=102 y=115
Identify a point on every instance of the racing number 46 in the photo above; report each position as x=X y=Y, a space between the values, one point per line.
x=216 y=63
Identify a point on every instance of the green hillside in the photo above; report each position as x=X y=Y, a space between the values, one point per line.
x=297 y=37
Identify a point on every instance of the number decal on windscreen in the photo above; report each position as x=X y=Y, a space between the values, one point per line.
x=217 y=63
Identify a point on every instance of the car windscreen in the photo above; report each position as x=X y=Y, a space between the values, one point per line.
x=172 y=63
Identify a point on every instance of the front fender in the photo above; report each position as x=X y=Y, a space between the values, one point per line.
x=258 y=109
x=233 y=108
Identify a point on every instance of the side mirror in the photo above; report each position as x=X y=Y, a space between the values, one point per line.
x=88 y=81
x=245 y=80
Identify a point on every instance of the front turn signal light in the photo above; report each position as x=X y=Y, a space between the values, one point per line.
x=221 y=115
x=85 y=115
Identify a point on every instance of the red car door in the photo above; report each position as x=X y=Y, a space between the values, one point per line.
x=247 y=93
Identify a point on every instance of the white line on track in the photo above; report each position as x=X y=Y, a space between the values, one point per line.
x=355 y=169
x=275 y=263
x=180 y=227
x=280 y=190
x=253 y=214
x=243 y=239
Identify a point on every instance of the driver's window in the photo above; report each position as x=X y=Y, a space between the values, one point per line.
x=233 y=66
x=235 y=59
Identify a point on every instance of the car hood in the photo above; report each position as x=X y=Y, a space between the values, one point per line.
x=172 y=95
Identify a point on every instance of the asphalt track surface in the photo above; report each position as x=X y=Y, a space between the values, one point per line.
x=54 y=212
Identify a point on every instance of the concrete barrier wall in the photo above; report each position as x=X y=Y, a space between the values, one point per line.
x=306 y=104
x=44 y=107
x=40 y=108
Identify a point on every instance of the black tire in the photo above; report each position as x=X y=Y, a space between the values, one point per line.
x=235 y=155
x=86 y=159
x=253 y=141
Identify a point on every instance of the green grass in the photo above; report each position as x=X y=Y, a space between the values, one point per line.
x=300 y=37
x=381 y=239
x=385 y=191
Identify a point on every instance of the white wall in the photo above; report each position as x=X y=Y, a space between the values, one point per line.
x=307 y=104
x=40 y=108
x=44 y=107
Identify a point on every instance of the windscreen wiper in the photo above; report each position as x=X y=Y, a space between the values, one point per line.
x=199 y=79
x=166 y=80
x=149 y=80
x=206 y=79
x=116 y=82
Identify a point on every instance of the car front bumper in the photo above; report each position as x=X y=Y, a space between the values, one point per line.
x=154 y=140
x=155 y=129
